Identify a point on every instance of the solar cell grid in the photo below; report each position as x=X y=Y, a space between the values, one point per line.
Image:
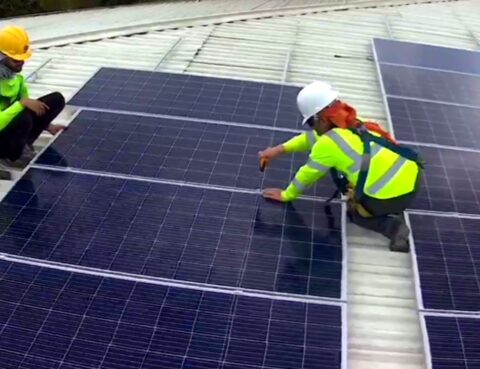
x=62 y=320
x=176 y=150
x=220 y=99
x=447 y=251
x=453 y=341
x=431 y=85
x=56 y=319
x=451 y=181
x=433 y=123
x=184 y=233
x=427 y=56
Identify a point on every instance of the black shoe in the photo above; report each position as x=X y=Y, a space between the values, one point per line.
x=399 y=241
x=5 y=174
x=22 y=161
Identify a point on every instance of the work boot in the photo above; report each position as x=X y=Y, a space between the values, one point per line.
x=4 y=174
x=399 y=239
x=30 y=150
x=27 y=155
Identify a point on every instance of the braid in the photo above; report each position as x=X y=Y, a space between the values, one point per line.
x=344 y=116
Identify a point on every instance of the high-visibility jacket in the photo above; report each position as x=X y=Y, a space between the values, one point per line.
x=389 y=175
x=11 y=92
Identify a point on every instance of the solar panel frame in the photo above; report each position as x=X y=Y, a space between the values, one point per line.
x=430 y=123
x=391 y=129
x=326 y=254
x=431 y=85
x=447 y=341
x=427 y=56
x=78 y=304
x=450 y=181
x=445 y=195
x=454 y=260
x=284 y=115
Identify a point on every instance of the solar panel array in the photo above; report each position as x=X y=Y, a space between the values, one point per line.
x=453 y=341
x=139 y=239
x=57 y=319
x=448 y=261
x=172 y=149
x=183 y=233
x=184 y=95
x=432 y=97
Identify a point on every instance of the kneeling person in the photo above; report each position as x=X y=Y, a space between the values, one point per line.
x=380 y=177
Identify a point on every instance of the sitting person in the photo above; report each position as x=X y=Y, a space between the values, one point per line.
x=22 y=119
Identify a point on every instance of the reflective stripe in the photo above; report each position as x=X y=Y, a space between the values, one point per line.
x=347 y=150
x=388 y=175
x=311 y=138
x=300 y=186
x=358 y=160
x=317 y=166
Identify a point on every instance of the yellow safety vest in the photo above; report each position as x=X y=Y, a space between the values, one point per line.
x=389 y=176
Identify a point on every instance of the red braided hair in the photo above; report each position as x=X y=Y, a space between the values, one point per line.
x=344 y=116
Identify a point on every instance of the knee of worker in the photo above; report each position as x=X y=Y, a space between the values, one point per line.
x=20 y=126
x=55 y=101
x=376 y=224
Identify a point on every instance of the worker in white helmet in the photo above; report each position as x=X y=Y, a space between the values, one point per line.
x=380 y=178
x=22 y=119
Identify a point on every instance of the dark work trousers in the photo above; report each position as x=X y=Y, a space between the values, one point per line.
x=26 y=127
x=387 y=214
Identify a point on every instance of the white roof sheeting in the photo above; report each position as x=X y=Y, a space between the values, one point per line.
x=78 y=22
x=384 y=330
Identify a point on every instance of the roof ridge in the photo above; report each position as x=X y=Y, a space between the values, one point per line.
x=222 y=18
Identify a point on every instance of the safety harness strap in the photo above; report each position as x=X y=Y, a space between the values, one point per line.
x=367 y=137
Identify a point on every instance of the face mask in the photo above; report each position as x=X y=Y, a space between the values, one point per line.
x=5 y=72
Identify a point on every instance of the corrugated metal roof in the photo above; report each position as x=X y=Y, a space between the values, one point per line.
x=335 y=46
x=78 y=22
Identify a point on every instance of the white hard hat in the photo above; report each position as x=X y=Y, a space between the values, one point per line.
x=315 y=97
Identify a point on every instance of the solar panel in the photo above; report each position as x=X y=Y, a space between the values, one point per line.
x=453 y=341
x=186 y=95
x=432 y=123
x=427 y=56
x=447 y=253
x=433 y=85
x=184 y=233
x=170 y=149
x=451 y=181
x=57 y=319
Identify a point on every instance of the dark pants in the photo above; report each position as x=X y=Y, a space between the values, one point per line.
x=26 y=127
x=387 y=214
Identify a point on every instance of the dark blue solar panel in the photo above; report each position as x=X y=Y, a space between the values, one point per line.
x=55 y=319
x=427 y=56
x=451 y=181
x=431 y=85
x=176 y=150
x=185 y=233
x=448 y=258
x=440 y=124
x=186 y=95
x=453 y=341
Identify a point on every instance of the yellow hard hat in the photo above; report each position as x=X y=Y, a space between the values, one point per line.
x=15 y=43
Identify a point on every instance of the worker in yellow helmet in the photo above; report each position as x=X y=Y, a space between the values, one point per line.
x=22 y=119
x=379 y=177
